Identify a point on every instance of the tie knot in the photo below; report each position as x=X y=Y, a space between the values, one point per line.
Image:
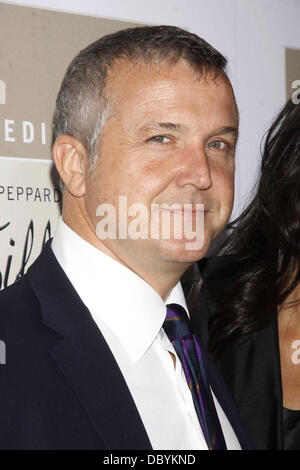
x=177 y=323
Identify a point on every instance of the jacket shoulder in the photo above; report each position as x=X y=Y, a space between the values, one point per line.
x=21 y=324
x=17 y=302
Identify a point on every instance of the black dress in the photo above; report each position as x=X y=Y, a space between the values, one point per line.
x=250 y=365
x=291 y=429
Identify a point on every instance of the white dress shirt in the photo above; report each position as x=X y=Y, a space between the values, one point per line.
x=130 y=314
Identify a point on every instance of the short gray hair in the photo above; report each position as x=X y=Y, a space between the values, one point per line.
x=82 y=106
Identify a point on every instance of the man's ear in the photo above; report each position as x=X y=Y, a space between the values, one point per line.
x=70 y=159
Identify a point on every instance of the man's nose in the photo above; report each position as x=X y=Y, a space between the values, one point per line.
x=195 y=169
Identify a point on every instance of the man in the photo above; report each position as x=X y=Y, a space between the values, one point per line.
x=146 y=116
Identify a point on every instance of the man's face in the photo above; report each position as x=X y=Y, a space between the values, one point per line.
x=171 y=139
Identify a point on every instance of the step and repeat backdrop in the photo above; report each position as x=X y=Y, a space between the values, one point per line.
x=292 y=74
x=36 y=47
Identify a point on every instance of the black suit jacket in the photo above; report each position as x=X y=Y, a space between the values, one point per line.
x=250 y=365
x=61 y=387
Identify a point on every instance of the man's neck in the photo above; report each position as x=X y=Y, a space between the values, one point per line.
x=162 y=279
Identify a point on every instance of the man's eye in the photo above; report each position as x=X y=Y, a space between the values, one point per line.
x=159 y=139
x=217 y=145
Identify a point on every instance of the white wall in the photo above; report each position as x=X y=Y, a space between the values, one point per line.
x=252 y=34
x=263 y=29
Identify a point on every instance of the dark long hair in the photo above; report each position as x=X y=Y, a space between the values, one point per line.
x=266 y=236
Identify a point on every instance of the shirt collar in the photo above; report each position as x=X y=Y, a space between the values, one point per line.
x=132 y=310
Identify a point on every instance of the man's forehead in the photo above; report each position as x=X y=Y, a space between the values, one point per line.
x=123 y=71
x=128 y=79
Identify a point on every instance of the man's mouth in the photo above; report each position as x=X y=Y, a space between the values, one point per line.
x=188 y=210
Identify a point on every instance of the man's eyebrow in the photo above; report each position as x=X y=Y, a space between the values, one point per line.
x=226 y=130
x=163 y=125
x=176 y=126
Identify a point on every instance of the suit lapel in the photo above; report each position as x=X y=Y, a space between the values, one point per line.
x=250 y=365
x=227 y=404
x=85 y=359
x=93 y=374
x=199 y=319
x=252 y=370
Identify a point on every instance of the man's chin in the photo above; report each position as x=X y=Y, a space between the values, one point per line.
x=183 y=251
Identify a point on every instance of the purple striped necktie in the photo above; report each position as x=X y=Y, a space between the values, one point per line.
x=178 y=328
